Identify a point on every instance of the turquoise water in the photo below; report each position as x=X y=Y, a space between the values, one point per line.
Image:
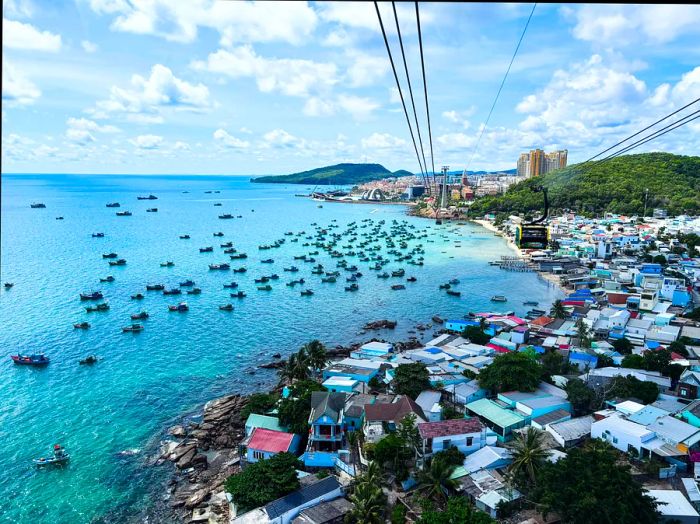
x=179 y=361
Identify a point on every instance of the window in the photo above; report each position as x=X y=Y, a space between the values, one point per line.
x=470 y=440
x=446 y=443
x=258 y=455
x=614 y=440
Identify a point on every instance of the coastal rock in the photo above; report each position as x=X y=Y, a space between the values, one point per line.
x=273 y=365
x=197 y=498
x=380 y=324
x=185 y=460
x=438 y=320
x=277 y=355
x=177 y=431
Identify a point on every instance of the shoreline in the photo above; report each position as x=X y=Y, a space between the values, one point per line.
x=488 y=225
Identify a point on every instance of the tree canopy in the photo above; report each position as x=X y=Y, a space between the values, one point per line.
x=458 y=511
x=294 y=411
x=625 y=387
x=512 y=371
x=259 y=403
x=411 y=379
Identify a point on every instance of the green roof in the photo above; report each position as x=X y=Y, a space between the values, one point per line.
x=492 y=412
x=263 y=421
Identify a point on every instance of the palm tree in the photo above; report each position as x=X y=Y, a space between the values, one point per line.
x=316 y=354
x=368 y=504
x=558 y=310
x=529 y=454
x=436 y=481
x=483 y=324
x=373 y=475
x=296 y=367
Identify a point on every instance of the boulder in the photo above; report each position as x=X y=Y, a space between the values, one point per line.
x=177 y=431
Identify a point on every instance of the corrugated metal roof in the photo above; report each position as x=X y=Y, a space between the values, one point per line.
x=301 y=496
x=494 y=413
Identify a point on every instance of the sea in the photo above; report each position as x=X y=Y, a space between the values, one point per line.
x=111 y=416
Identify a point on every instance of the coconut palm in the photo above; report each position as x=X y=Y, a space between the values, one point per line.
x=317 y=356
x=529 y=454
x=483 y=324
x=373 y=475
x=296 y=367
x=368 y=504
x=558 y=310
x=435 y=480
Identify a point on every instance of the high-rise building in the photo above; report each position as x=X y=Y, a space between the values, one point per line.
x=537 y=162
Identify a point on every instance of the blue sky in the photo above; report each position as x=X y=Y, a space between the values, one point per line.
x=160 y=86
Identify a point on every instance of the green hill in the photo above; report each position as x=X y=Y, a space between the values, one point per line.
x=616 y=186
x=339 y=174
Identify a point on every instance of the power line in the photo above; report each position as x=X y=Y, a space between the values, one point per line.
x=398 y=86
x=498 y=94
x=641 y=131
x=425 y=92
x=410 y=89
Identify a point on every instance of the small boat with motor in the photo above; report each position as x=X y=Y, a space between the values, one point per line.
x=208 y=249
x=329 y=280
x=109 y=255
x=240 y=270
x=227 y=244
x=267 y=261
x=268 y=287
x=149 y=197
x=262 y=280
x=351 y=279
x=226 y=216
x=123 y=213
x=219 y=234
x=398 y=273
x=226 y=307
x=98 y=235
x=37 y=205
x=238 y=256
x=411 y=279
x=114 y=204
x=454 y=281
x=307 y=293
x=104 y=306
x=173 y=291
x=133 y=328
x=118 y=262
x=137 y=296
x=445 y=286
x=383 y=275
x=155 y=287
x=238 y=294
x=8 y=285
x=396 y=287
x=108 y=278
x=184 y=237
x=222 y=267
x=274 y=276
x=81 y=325
x=217 y=204
x=531 y=303
x=232 y=285
x=168 y=263
x=89 y=360
x=180 y=308
x=59 y=458
x=30 y=360
x=187 y=283
x=94 y=295
x=352 y=287
x=499 y=298
x=152 y=210
x=453 y=293
x=143 y=315
x=229 y=250
x=194 y=291
x=292 y=269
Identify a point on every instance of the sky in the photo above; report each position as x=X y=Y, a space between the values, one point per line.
x=215 y=87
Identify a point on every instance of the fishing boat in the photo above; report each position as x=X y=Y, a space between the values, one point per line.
x=168 y=263
x=109 y=255
x=396 y=287
x=328 y=280
x=98 y=235
x=240 y=270
x=8 y=285
x=95 y=295
x=137 y=296
x=262 y=280
x=219 y=234
x=307 y=293
x=232 y=285
x=187 y=283
x=123 y=213
x=267 y=261
x=229 y=250
x=217 y=204
x=113 y=204
x=180 y=308
x=225 y=216
x=383 y=275
x=227 y=244
x=300 y=257
x=445 y=286
x=59 y=458
x=118 y=262
x=351 y=279
x=108 y=278
x=149 y=197
x=352 y=287
x=133 y=328
x=143 y=315
x=238 y=294
x=531 y=303
x=223 y=267
x=155 y=287
x=30 y=360
x=152 y=210
x=173 y=291
x=194 y=291
x=274 y=276
x=227 y=307
x=208 y=249
x=184 y=237
x=268 y=287
x=499 y=298
x=81 y=325
x=292 y=269
x=454 y=281
x=37 y=205
x=411 y=279
x=398 y=273
x=104 y=306
x=238 y=256
x=453 y=293
x=89 y=360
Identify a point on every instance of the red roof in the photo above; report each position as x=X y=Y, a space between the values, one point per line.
x=270 y=441
x=393 y=411
x=447 y=428
x=617 y=298
x=498 y=349
x=542 y=321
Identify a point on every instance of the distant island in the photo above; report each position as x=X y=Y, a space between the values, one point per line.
x=616 y=186
x=339 y=174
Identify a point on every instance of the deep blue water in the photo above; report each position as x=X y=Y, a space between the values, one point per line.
x=146 y=380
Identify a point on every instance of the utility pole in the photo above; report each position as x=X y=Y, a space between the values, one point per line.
x=646 y=194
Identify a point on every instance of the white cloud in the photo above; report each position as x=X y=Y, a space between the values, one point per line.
x=89 y=125
x=291 y=22
x=17 y=8
x=16 y=88
x=316 y=106
x=79 y=136
x=147 y=142
x=628 y=24
x=366 y=70
x=89 y=47
x=147 y=97
x=292 y=77
x=230 y=141
x=181 y=146
x=359 y=107
x=456 y=141
x=281 y=139
x=382 y=141
x=18 y=35
x=459 y=117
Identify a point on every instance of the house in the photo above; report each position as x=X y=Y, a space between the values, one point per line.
x=284 y=510
x=467 y=435
x=265 y=443
x=674 y=507
x=381 y=418
x=342 y=384
x=582 y=360
x=262 y=421
x=327 y=429
x=486 y=458
x=501 y=420
x=331 y=512
x=465 y=393
x=680 y=435
x=488 y=489
x=602 y=376
x=689 y=384
x=429 y=402
x=571 y=432
x=354 y=412
x=621 y=433
x=372 y=350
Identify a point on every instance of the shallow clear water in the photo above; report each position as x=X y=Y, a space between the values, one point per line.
x=147 y=380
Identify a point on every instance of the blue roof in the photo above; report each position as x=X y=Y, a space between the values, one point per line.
x=652 y=344
x=433 y=351
x=582 y=356
x=297 y=498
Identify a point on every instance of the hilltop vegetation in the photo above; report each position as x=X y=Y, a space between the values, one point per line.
x=339 y=174
x=616 y=186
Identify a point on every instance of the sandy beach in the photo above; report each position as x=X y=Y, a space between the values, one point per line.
x=488 y=225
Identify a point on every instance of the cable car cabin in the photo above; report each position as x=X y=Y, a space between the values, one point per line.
x=532 y=236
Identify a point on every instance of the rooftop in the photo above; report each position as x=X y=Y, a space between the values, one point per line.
x=574 y=428
x=394 y=411
x=493 y=412
x=270 y=441
x=264 y=421
x=446 y=428
x=304 y=495
x=673 y=503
